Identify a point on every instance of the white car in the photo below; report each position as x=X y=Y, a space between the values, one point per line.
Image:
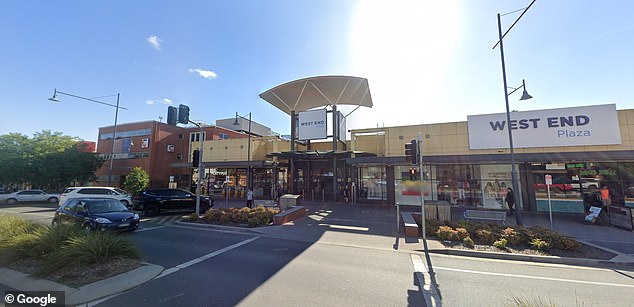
x=107 y=192
x=29 y=196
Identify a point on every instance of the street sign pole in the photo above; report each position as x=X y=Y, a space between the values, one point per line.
x=549 y=182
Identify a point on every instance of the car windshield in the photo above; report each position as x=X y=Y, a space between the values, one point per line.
x=122 y=192
x=105 y=205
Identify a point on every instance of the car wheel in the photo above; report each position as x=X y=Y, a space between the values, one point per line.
x=53 y=200
x=125 y=202
x=11 y=201
x=54 y=223
x=151 y=211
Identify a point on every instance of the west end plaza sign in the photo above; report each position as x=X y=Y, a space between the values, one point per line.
x=312 y=125
x=576 y=126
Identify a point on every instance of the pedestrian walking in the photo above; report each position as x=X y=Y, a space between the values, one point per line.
x=249 y=198
x=510 y=200
x=605 y=196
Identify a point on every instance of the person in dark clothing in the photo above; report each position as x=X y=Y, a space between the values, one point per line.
x=510 y=201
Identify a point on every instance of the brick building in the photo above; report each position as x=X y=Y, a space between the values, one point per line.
x=162 y=150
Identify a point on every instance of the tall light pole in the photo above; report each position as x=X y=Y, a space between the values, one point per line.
x=516 y=195
x=236 y=123
x=116 y=115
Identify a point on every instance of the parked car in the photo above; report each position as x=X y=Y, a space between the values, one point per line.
x=105 y=192
x=154 y=201
x=29 y=196
x=588 y=184
x=96 y=214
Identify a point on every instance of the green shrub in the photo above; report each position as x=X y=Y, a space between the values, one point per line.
x=553 y=239
x=468 y=242
x=447 y=233
x=516 y=301
x=193 y=217
x=213 y=215
x=501 y=243
x=539 y=244
x=50 y=239
x=253 y=217
x=431 y=227
x=261 y=216
x=569 y=244
x=511 y=236
x=15 y=230
x=91 y=248
x=485 y=236
x=461 y=233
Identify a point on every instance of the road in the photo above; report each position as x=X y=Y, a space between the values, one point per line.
x=340 y=267
x=254 y=270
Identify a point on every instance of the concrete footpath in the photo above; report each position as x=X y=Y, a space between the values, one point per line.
x=84 y=294
x=375 y=226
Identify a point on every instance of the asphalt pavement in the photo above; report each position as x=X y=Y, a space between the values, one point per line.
x=370 y=226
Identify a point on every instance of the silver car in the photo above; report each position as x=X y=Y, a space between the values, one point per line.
x=29 y=196
x=104 y=192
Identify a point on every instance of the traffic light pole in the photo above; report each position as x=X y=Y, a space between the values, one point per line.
x=419 y=150
x=200 y=167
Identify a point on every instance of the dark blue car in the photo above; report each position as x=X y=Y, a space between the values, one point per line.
x=96 y=214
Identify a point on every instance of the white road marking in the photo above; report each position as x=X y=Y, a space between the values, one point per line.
x=149 y=228
x=430 y=294
x=537 y=277
x=203 y=258
x=346 y=227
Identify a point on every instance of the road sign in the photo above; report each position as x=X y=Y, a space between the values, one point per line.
x=549 y=182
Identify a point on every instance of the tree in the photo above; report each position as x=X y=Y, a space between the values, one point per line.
x=48 y=160
x=137 y=180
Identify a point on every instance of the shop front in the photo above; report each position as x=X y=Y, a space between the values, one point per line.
x=266 y=180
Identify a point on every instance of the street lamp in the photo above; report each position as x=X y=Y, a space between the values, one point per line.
x=236 y=123
x=116 y=115
x=516 y=196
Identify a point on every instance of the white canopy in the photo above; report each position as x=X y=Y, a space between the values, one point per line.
x=305 y=94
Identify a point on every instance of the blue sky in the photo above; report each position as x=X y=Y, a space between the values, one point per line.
x=426 y=61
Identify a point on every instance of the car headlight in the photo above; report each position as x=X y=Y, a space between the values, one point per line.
x=136 y=216
x=102 y=220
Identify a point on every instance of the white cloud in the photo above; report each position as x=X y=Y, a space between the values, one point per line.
x=155 y=41
x=207 y=74
x=167 y=101
x=149 y=101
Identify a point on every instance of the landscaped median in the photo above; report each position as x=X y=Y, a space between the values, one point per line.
x=521 y=243
x=65 y=254
x=247 y=217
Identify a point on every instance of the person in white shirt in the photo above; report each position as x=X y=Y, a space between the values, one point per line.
x=249 y=198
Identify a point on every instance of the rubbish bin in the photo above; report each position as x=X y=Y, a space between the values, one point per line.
x=289 y=200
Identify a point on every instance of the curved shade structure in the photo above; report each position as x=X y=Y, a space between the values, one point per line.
x=308 y=93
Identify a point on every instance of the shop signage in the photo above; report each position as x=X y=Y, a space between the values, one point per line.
x=577 y=165
x=312 y=125
x=577 y=126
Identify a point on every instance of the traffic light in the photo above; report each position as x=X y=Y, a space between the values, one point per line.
x=172 y=116
x=183 y=114
x=196 y=158
x=412 y=173
x=411 y=151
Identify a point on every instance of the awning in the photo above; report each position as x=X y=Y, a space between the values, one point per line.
x=318 y=154
x=305 y=94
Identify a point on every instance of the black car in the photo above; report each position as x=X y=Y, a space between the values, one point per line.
x=154 y=201
x=96 y=214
